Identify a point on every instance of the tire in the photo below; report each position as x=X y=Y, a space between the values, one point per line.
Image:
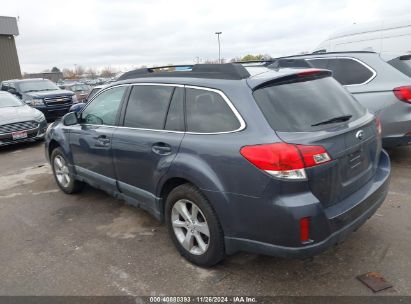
x=63 y=173
x=198 y=248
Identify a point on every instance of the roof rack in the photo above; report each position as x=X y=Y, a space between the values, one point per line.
x=231 y=71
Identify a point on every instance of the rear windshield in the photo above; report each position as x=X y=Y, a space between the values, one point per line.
x=297 y=107
x=403 y=64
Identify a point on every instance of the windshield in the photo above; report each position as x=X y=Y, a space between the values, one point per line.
x=8 y=100
x=36 y=86
x=403 y=64
x=307 y=106
x=80 y=87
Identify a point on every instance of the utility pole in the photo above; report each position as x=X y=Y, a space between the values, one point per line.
x=219 y=46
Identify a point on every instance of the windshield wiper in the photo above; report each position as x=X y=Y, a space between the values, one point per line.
x=333 y=120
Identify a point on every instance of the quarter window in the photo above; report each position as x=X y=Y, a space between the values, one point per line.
x=207 y=112
x=345 y=70
x=147 y=107
x=104 y=108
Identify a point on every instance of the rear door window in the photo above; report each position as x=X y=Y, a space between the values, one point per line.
x=208 y=112
x=147 y=106
x=296 y=107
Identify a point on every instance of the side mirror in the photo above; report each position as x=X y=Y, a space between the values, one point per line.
x=70 y=119
x=77 y=107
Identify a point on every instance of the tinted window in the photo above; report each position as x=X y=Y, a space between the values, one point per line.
x=147 y=107
x=297 y=106
x=104 y=108
x=294 y=63
x=175 y=116
x=207 y=112
x=348 y=71
x=402 y=64
x=319 y=63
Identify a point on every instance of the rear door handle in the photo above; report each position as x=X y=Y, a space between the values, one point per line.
x=161 y=148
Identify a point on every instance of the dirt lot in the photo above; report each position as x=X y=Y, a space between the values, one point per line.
x=92 y=244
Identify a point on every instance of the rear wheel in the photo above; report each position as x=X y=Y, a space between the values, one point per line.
x=63 y=174
x=194 y=226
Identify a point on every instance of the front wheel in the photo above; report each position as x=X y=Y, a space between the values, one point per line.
x=194 y=226
x=62 y=173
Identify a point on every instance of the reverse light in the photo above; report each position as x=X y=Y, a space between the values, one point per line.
x=286 y=161
x=305 y=229
x=403 y=93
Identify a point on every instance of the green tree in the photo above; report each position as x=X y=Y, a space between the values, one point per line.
x=55 y=70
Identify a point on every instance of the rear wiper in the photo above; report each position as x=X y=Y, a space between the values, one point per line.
x=333 y=120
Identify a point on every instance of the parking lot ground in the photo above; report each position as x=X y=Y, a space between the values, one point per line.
x=93 y=244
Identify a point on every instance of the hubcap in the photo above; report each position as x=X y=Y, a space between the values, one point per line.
x=190 y=227
x=61 y=170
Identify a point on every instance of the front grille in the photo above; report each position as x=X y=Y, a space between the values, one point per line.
x=58 y=100
x=18 y=126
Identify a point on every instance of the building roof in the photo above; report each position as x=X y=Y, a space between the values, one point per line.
x=8 y=26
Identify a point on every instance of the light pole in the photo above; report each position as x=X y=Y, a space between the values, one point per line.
x=219 y=46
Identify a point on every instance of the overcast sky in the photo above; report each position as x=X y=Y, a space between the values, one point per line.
x=128 y=33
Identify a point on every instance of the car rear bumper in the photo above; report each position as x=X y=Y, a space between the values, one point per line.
x=396 y=141
x=339 y=220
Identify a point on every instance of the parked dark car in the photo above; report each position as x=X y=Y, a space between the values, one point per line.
x=41 y=94
x=19 y=122
x=383 y=88
x=284 y=163
x=80 y=89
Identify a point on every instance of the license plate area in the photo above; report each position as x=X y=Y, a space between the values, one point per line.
x=19 y=135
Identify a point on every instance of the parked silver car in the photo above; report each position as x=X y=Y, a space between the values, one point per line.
x=18 y=121
x=379 y=86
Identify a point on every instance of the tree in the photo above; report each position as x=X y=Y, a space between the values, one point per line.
x=79 y=70
x=69 y=74
x=258 y=57
x=107 y=72
x=55 y=70
x=92 y=73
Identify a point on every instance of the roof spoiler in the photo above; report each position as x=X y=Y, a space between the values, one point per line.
x=299 y=76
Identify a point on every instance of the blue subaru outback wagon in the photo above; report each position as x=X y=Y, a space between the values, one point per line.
x=232 y=158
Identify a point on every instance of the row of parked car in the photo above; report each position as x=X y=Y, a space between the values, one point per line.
x=273 y=157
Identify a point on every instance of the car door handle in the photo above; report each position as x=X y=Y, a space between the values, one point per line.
x=161 y=148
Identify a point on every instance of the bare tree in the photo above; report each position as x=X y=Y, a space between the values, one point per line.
x=107 y=72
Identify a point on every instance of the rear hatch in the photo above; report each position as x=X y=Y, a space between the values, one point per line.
x=311 y=108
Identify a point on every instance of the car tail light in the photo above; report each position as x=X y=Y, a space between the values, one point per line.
x=284 y=160
x=403 y=93
x=305 y=229
x=310 y=72
x=378 y=125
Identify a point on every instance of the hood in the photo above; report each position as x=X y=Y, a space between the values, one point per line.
x=49 y=93
x=16 y=114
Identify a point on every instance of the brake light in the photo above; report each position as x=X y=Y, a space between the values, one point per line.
x=305 y=229
x=403 y=93
x=310 y=72
x=284 y=160
x=378 y=125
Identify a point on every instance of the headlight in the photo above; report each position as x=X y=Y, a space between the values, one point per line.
x=40 y=117
x=74 y=98
x=36 y=102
